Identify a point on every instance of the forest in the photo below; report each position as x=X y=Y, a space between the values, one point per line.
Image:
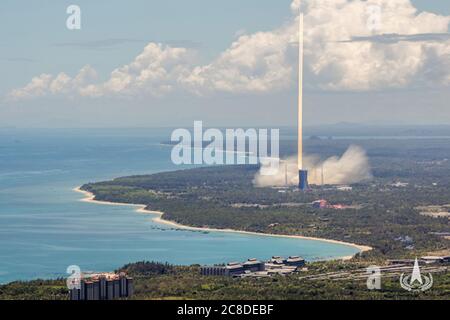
x=157 y=281
x=381 y=212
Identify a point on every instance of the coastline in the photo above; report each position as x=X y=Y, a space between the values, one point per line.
x=89 y=197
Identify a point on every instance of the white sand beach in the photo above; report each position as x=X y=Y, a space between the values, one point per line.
x=89 y=197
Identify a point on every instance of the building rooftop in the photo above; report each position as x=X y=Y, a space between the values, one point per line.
x=91 y=276
x=295 y=258
x=234 y=266
x=431 y=258
x=252 y=262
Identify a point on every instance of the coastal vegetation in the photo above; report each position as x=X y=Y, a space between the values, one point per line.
x=162 y=281
x=385 y=213
x=381 y=213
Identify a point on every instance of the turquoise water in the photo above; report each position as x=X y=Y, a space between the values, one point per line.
x=44 y=227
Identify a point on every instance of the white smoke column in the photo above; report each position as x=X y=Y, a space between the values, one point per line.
x=300 y=94
x=352 y=167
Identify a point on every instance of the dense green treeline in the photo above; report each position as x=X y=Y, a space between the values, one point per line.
x=162 y=281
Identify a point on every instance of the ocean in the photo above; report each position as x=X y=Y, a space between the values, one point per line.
x=44 y=227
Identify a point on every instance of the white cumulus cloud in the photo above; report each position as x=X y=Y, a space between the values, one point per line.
x=339 y=56
x=155 y=71
x=61 y=84
x=254 y=63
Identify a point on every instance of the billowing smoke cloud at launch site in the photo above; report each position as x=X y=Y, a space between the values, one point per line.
x=352 y=167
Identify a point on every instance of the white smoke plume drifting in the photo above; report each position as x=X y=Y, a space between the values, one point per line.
x=352 y=167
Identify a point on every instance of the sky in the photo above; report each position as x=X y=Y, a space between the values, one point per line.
x=229 y=63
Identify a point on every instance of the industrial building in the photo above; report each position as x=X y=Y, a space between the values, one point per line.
x=255 y=268
x=423 y=260
x=233 y=269
x=103 y=286
x=435 y=259
x=254 y=265
x=295 y=261
x=292 y=261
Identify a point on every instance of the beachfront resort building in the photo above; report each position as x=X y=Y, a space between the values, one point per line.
x=233 y=269
x=255 y=268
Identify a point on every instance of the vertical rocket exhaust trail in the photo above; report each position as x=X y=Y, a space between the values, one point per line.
x=302 y=173
x=300 y=93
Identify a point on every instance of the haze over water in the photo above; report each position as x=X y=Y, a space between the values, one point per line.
x=44 y=227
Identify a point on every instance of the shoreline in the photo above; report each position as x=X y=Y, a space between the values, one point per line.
x=89 y=197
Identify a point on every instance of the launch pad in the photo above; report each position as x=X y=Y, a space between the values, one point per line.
x=303 y=180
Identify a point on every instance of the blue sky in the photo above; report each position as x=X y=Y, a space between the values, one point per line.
x=34 y=40
x=34 y=32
